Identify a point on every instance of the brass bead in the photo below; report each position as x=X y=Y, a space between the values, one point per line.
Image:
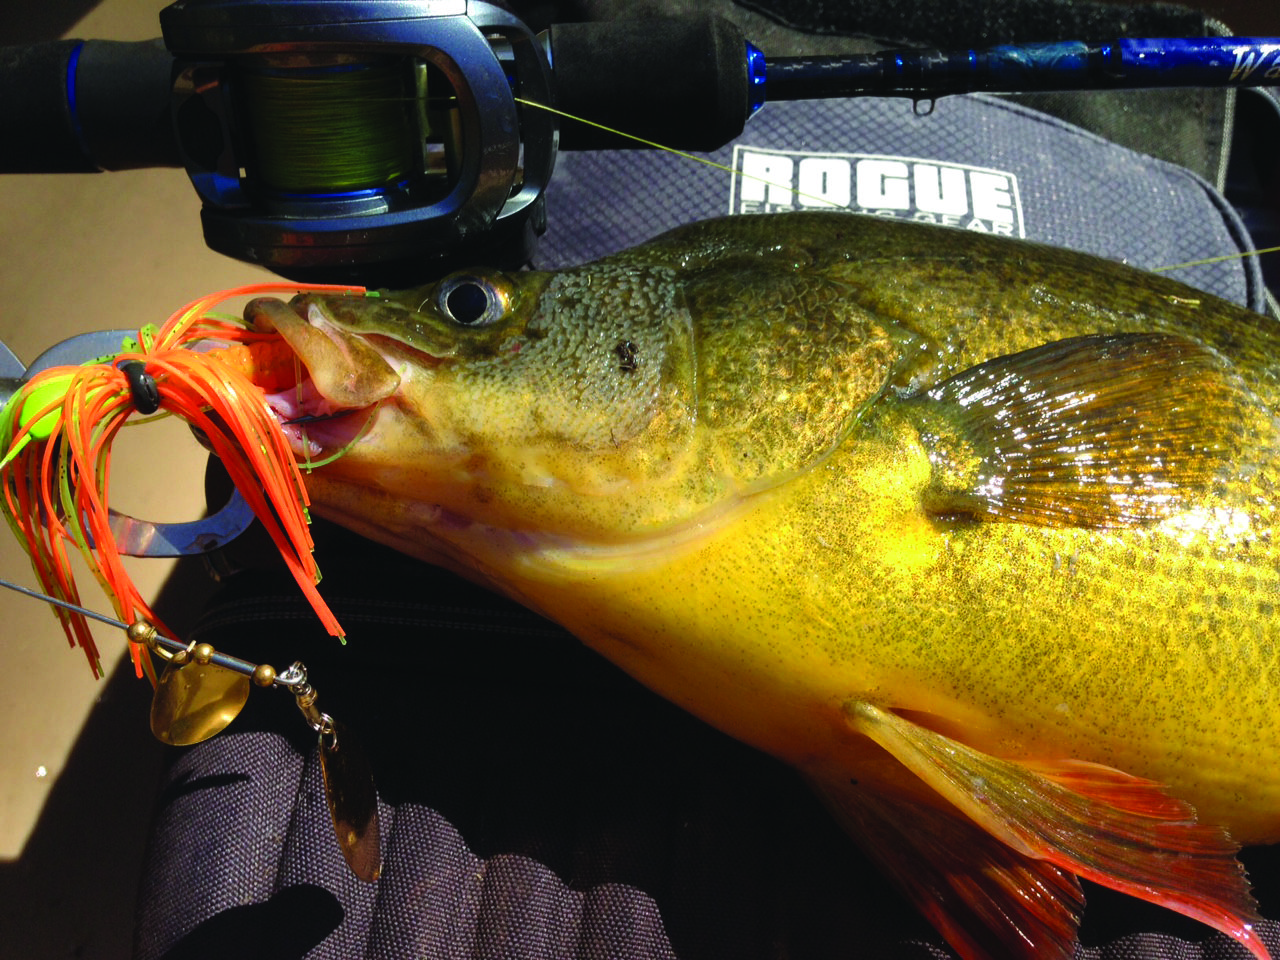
x=141 y=632
x=202 y=653
x=264 y=675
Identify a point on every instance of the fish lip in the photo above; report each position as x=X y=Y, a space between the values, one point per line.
x=344 y=367
x=312 y=422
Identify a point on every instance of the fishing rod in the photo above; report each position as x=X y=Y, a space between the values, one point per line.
x=385 y=142
x=1125 y=63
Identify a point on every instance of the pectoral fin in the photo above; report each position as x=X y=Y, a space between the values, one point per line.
x=1096 y=431
x=1092 y=821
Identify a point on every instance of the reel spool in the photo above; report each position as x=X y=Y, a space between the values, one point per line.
x=362 y=141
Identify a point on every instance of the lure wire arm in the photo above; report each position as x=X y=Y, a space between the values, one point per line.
x=350 y=792
x=177 y=653
x=293 y=679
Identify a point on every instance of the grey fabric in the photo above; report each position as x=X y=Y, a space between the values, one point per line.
x=1075 y=189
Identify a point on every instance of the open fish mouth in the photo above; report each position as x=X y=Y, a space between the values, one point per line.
x=341 y=383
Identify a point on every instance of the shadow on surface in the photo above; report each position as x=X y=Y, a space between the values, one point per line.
x=72 y=892
x=286 y=927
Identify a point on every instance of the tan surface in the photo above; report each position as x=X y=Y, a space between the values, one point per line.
x=82 y=252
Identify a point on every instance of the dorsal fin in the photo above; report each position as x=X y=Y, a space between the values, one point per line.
x=1095 y=431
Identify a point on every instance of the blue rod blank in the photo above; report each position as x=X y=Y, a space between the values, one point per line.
x=1065 y=65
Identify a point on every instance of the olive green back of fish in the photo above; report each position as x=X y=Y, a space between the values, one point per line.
x=974 y=296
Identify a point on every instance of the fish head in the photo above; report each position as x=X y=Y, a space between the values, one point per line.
x=620 y=405
x=549 y=405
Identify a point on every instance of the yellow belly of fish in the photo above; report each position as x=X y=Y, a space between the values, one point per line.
x=1124 y=649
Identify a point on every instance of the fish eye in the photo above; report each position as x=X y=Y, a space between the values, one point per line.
x=471 y=301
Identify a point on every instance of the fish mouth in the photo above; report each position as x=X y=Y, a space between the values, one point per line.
x=342 y=382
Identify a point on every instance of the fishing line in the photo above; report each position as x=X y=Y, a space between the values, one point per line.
x=346 y=128
x=1221 y=259
x=328 y=128
x=819 y=201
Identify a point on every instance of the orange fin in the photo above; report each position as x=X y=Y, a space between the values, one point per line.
x=1094 y=431
x=985 y=898
x=1098 y=823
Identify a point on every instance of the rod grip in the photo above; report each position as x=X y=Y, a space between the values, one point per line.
x=678 y=82
x=73 y=106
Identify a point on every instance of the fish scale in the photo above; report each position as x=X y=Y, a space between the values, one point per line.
x=975 y=534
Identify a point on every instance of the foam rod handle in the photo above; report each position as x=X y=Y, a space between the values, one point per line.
x=72 y=106
x=678 y=82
